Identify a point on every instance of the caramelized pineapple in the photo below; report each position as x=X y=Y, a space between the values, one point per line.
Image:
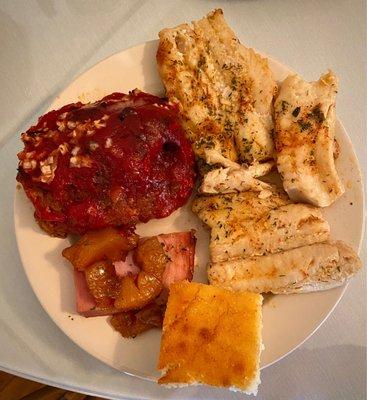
x=95 y=246
x=102 y=280
x=136 y=292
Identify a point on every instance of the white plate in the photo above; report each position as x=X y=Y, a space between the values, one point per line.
x=288 y=320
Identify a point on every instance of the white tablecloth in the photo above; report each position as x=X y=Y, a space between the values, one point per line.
x=44 y=45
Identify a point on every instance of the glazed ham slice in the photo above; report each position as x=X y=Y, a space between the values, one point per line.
x=85 y=302
x=180 y=250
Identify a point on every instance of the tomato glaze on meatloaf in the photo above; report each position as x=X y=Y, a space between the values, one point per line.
x=119 y=161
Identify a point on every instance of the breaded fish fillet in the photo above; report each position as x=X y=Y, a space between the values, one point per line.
x=224 y=90
x=304 y=127
x=318 y=266
x=245 y=225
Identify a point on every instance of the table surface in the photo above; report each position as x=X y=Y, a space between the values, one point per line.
x=45 y=45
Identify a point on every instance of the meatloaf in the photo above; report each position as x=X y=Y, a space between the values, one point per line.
x=119 y=161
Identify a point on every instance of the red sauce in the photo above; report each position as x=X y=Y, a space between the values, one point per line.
x=122 y=160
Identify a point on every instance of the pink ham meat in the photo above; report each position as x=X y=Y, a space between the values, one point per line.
x=180 y=250
x=126 y=267
x=85 y=303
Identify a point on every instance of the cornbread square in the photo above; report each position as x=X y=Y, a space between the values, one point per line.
x=211 y=336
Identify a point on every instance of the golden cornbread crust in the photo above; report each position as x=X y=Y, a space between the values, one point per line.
x=211 y=336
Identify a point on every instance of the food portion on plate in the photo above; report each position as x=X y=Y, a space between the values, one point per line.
x=123 y=275
x=117 y=162
x=224 y=90
x=318 y=266
x=237 y=178
x=304 y=138
x=272 y=245
x=211 y=336
x=245 y=224
x=97 y=170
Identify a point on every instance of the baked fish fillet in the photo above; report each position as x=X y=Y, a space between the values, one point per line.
x=246 y=225
x=304 y=131
x=318 y=266
x=237 y=179
x=224 y=90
